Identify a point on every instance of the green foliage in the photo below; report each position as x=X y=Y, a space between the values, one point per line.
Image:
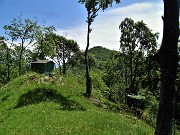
x=65 y=50
x=152 y=109
x=104 y=4
x=135 y=65
x=138 y=42
x=43 y=47
x=19 y=29
x=101 y=55
x=3 y=62
x=110 y=81
x=23 y=32
x=8 y=65
x=98 y=83
x=115 y=77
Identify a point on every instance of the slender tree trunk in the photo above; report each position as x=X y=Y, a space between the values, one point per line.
x=88 y=78
x=59 y=68
x=58 y=60
x=42 y=56
x=134 y=77
x=20 y=65
x=131 y=71
x=64 y=63
x=20 y=57
x=8 y=64
x=168 y=58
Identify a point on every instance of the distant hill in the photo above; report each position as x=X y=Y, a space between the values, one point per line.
x=101 y=55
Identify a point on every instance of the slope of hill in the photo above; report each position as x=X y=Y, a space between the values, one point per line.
x=101 y=55
x=38 y=105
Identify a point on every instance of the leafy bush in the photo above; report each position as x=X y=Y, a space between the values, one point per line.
x=151 y=105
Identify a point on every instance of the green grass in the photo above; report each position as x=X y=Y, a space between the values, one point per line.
x=30 y=106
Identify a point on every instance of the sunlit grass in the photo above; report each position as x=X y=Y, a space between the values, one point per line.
x=31 y=107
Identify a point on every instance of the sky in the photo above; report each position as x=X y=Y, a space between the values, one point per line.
x=69 y=18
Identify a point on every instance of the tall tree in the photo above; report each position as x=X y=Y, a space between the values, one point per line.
x=8 y=61
x=70 y=49
x=168 y=59
x=64 y=49
x=92 y=7
x=136 y=41
x=42 y=46
x=23 y=32
x=5 y=57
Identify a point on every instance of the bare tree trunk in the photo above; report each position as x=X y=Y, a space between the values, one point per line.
x=20 y=60
x=131 y=89
x=64 y=63
x=88 y=78
x=59 y=64
x=20 y=56
x=168 y=58
x=20 y=65
x=42 y=56
x=8 y=64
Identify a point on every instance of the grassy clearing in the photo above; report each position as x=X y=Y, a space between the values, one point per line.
x=34 y=105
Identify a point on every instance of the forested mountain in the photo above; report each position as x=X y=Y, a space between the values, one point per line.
x=100 y=55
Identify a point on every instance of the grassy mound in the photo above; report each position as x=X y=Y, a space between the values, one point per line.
x=38 y=105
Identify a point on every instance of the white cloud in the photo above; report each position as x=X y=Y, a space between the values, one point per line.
x=106 y=25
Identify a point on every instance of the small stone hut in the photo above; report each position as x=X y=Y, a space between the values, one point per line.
x=42 y=66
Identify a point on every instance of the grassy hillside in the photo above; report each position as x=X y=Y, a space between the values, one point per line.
x=37 y=105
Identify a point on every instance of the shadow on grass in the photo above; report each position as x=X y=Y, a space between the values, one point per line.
x=5 y=98
x=40 y=95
